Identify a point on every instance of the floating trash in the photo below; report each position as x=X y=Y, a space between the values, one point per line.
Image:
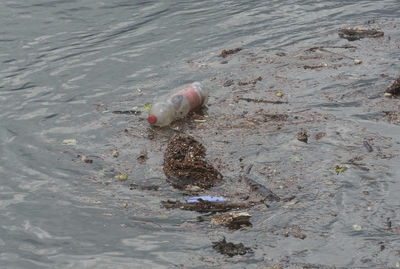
x=214 y=199
x=147 y=107
x=340 y=168
x=121 y=177
x=70 y=142
x=229 y=248
x=233 y=221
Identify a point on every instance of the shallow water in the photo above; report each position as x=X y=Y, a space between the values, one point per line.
x=65 y=64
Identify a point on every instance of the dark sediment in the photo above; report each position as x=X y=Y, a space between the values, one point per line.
x=184 y=164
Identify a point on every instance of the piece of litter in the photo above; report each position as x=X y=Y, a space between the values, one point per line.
x=85 y=159
x=357 y=227
x=386 y=94
x=121 y=177
x=147 y=107
x=192 y=188
x=201 y=121
x=69 y=141
x=232 y=220
x=214 y=199
x=340 y=168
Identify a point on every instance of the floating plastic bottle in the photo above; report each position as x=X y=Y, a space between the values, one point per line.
x=178 y=104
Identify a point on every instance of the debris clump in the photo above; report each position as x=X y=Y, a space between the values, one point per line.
x=357 y=33
x=253 y=82
x=394 y=89
x=230 y=249
x=302 y=136
x=226 y=53
x=233 y=221
x=184 y=164
x=205 y=206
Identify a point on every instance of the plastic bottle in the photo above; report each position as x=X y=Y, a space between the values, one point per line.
x=178 y=104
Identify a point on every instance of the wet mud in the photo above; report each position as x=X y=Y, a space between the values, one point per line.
x=301 y=150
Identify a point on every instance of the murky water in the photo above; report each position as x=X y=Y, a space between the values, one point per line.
x=64 y=65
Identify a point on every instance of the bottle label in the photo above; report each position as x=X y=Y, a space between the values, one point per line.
x=191 y=95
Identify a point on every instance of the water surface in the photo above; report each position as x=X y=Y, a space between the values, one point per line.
x=65 y=64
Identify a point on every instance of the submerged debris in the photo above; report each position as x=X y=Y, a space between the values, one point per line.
x=228 y=83
x=233 y=221
x=257 y=100
x=84 y=158
x=142 y=157
x=302 y=136
x=115 y=154
x=340 y=169
x=320 y=65
x=266 y=193
x=392 y=116
x=357 y=33
x=184 y=164
x=253 y=82
x=230 y=249
x=226 y=53
x=147 y=107
x=367 y=146
x=394 y=89
x=192 y=189
x=205 y=206
x=121 y=177
x=127 y=112
x=71 y=142
x=134 y=186
x=319 y=135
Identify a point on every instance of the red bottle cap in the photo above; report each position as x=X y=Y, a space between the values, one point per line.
x=152 y=119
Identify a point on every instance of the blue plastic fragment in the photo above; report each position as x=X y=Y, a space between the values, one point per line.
x=214 y=199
